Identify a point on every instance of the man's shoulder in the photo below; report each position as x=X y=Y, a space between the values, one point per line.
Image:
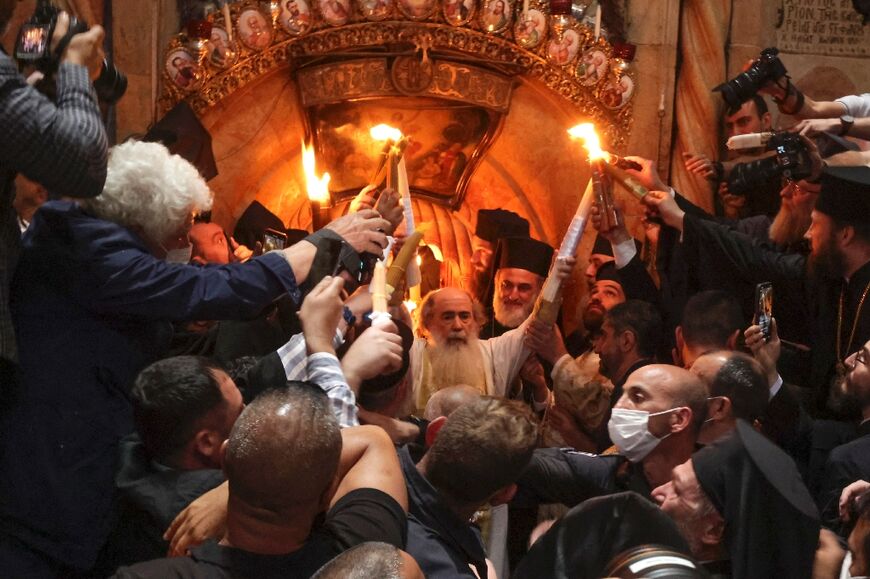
x=437 y=556
x=174 y=568
x=856 y=451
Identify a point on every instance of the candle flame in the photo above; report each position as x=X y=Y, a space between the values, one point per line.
x=591 y=142
x=383 y=132
x=411 y=305
x=317 y=187
x=419 y=260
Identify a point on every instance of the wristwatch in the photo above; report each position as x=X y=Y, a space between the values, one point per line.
x=846 y=122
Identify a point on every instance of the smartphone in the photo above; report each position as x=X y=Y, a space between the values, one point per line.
x=764 y=307
x=273 y=239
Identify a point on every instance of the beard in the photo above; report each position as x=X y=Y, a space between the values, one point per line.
x=511 y=315
x=789 y=225
x=593 y=317
x=456 y=362
x=827 y=261
x=480 y=281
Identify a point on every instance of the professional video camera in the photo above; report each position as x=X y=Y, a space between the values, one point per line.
x=791 y=160
x=33 y=47
x=745 y=85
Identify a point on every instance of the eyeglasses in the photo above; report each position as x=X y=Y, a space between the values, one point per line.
x=508 y=286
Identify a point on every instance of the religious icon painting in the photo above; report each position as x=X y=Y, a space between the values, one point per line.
x=592 y=67
x=255 y=31
x=531 y=28
x=417 y=9
x=458 y=12
x=616 y=92
x=334 y=12
x=183 y=70
x=496 y=15
x=376 y=10
x=222 y=51
x=563 y=48
x=295 y=17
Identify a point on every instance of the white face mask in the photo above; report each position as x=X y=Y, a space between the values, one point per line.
x=629 y=431
x=181 y=255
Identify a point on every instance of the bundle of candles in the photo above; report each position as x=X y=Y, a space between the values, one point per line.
x=599 y=188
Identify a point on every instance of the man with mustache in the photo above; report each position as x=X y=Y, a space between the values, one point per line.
x=492 y=225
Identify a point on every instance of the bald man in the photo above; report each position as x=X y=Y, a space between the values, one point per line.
x=287 y=463
x=654 y=426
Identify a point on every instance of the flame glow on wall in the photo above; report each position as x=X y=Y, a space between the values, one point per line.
x=316 y=187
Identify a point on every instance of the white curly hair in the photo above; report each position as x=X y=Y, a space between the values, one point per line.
x=150 y=190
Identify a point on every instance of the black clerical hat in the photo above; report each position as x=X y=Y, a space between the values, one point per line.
x=524 y=253
x=583 y=542
x=254 y=221
x=845 y=194
x=771 y=521
x=608 y=271
x=493 y=224
x=181 y=132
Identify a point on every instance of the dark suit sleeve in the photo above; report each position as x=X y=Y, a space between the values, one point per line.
x=840 y=471
x=787 y=424
x=755 y=262
x=565 y=476
x=637 y=283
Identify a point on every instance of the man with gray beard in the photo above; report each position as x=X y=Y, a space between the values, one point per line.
x=522 y=264
x=452 y=352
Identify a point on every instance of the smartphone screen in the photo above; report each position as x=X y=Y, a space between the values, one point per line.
x=32 y=42
x=273 y=240
x=764 y=307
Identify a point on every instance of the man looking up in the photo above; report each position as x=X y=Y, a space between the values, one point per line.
x=287 y=462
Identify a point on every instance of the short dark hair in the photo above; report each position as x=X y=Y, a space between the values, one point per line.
x=710 y=318
x=483 y=447
x=760 y=105
x=169 y=399
x=742 y=380
x=640 y=318
x=367 y=560
x=284 y=448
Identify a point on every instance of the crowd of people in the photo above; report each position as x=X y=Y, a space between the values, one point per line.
x=176 y=402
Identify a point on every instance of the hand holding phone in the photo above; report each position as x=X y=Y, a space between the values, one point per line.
x=764 y=307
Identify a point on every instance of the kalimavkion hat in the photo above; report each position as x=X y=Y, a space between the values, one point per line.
x=845 y=194
x=493 y=224
x=524 y=253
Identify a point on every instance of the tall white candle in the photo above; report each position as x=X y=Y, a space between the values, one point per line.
x=598 y=22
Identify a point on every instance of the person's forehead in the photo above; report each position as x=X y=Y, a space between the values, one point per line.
x=480 y=243
x=516 y=275
x=747 y=110
x=655 y=380
x=205 y=230
x=607 y=285
x=452 y=301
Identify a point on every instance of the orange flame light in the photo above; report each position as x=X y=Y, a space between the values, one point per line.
x=384 y=132
x=317 y=187
x=591 y=142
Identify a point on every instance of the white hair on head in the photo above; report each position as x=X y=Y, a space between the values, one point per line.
x=150 y=190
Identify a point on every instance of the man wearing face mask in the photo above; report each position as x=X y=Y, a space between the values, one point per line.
x=93 y=299
x=654 y=426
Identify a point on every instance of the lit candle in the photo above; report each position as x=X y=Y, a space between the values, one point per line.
x=403 y=259
x=525 y=9
x=378 y=288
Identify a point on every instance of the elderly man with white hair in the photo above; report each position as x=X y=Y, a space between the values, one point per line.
x=98 y=284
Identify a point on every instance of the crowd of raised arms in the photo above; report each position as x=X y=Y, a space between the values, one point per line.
x=177 y=402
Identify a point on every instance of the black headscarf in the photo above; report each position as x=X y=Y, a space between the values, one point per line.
x=771 y=522
x=584 y=541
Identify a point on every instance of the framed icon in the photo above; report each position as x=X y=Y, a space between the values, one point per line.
x=496 y=15
x=334 y=12
x=222 y=51
x=295 y=17
x=531 y=28
x=458 y=12
x=417 y=9
x=592 y=67
x=616 y=92
x=255 y=31
x=182 y=69
x=563 y=48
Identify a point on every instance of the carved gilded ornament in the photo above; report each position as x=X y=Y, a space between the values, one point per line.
x=305 y=29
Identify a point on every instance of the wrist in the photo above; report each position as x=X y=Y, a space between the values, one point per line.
x=318 y=344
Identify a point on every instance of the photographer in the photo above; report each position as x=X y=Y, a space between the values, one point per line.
x=62 y=146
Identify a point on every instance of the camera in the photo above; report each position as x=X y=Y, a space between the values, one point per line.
x=745 y=85
x=791 y=160
x=33 y=47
